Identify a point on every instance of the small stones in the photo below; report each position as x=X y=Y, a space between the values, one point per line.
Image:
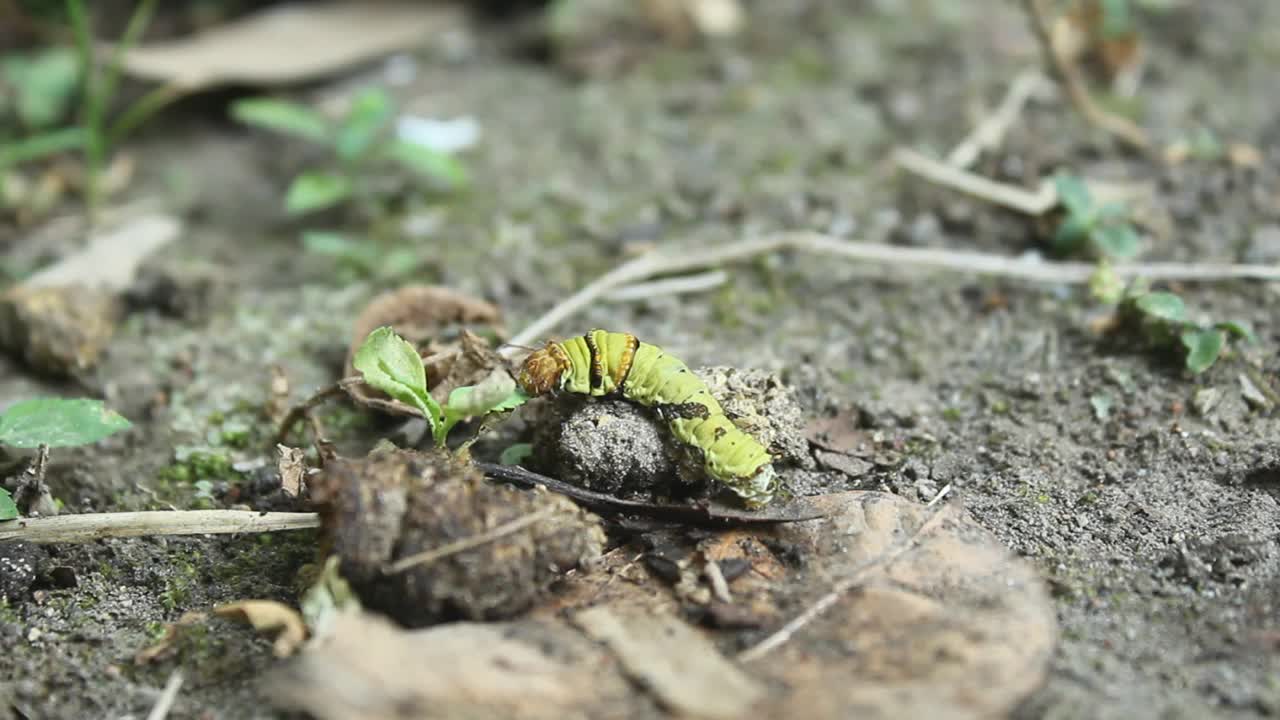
x=19 y=567
x=395 y=504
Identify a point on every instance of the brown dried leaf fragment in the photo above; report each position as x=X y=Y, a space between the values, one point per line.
x=396 y=504
x=266 y=615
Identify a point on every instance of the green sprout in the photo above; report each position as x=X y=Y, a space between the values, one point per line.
x=44 y=84
x=1166 y=323
x=1103 y=230
x=54 y=422
x=359 y=146
x=391 y=364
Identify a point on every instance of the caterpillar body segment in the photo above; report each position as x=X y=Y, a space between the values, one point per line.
x=602 y=363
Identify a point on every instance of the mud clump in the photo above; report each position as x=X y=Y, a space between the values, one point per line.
x=621 y=448
x=383 y=509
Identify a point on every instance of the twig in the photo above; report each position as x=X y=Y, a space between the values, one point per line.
x=661 y=262
x=164 y=703
x=303 y=409
x=457 y=546
x=991 y=131
x=992 y=191
x=707 y=514
x=719 y=586
x=94 y=526
x=671 y=286
x=785 y=633
x=1069 y=74
x=946 y=490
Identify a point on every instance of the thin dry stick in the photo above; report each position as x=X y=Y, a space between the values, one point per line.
x=661 y=262
x=785 y=633
x=671 y=286
x=991 y=131
x=719 y=586
x=992 y=191
x=94 y=526
x=457 y=546
x=168 y=696
x=1069 y=74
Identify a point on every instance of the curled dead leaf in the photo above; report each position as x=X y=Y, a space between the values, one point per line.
x=266 y=615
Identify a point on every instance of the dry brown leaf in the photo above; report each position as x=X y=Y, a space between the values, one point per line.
x=949 y=624
x=368 y=669
x=292 y=466
x=266 y=615
x=110 y=259
x=839 y=433
x=675 y=662
x=291 y=43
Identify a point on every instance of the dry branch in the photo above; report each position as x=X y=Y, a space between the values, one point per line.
x=95 y=526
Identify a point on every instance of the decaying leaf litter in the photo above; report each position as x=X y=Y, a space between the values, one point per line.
x=995 y=398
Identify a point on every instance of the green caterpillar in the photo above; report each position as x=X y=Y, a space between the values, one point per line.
x=607 y=363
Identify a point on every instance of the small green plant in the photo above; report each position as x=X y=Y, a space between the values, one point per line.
x=362 y=258
x=1102 y=230
x=54 y=422
x=390 y=363
x=360 y=148
x=44 y=83
x=1165 y=323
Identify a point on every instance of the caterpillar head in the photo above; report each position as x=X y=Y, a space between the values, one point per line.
x=543 y=370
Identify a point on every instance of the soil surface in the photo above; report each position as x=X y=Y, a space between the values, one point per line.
x=1148 y=498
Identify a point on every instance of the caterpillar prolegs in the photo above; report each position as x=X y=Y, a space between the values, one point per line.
x=603 y=363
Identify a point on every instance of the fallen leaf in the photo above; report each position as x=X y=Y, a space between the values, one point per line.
x=675 y=662
x=265 y=615
x=172 y=633
x=263 y=48
x=368 y=669
x=292 y=466
x=110 y=260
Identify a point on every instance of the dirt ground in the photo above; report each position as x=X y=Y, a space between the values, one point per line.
x=1157 y=527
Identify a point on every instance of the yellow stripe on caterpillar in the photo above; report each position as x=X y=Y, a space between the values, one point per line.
x=602 y=363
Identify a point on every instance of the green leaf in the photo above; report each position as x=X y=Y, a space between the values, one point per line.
x=58 y=422
x=42 y=145
x=515 y=454
x=1070 y=235
x=43 y=84
x=1238 y=329
x=429 y=163
x=1163 y=306
x=389 y=363
x=1116 y=240
x=8 y=508
x=312 y=191
x=1203 y=348
x=283 y=116
x=1101 y=403
x=1073 y=194
x=1113 y=211
x=369 y=113
x=1117 y=19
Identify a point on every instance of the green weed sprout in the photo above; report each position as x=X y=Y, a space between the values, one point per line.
x=391 y=364
x=45 y=82
x=1164 y=319
x=54 y=422
x=359 y=144
x=1103 y=230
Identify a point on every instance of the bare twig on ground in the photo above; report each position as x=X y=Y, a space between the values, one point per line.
x=991 y=131
x=842 y=587
x=661 y=262
x=303 y=409
x=468 y=543
x=992 y=191
x=168 y=696
x=94 y=526
x=670 y=286
x=1074 y=83
x=719 y=586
